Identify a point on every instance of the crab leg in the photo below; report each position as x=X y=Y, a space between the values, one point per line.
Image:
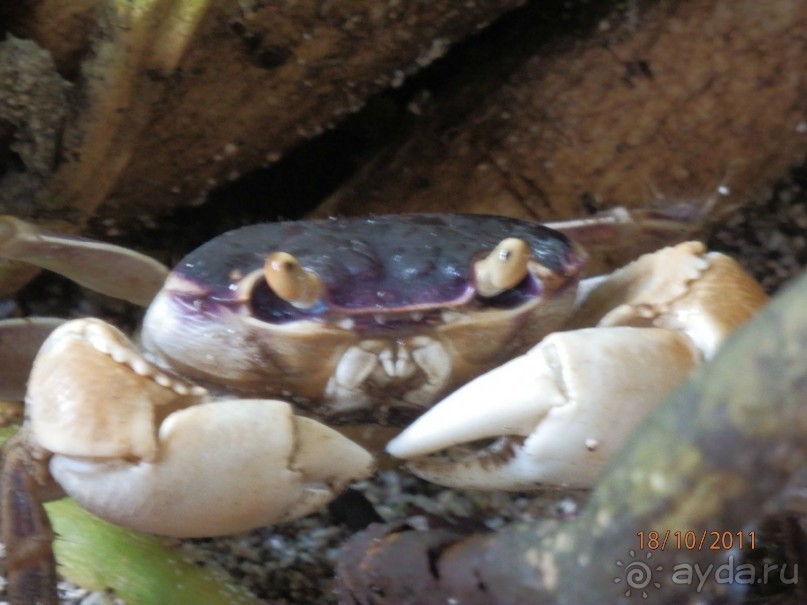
x=105 y=268
x=25 y=530
x=625 y=233
x=564 y=408
x=146 y=450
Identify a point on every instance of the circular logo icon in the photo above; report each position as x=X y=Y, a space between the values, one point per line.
x=638 y=575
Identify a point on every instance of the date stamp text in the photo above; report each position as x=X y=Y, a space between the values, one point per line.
x=654 y=540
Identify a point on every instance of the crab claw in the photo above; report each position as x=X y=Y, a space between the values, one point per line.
x=143 y=449
x=224 y=467
x=558 y=413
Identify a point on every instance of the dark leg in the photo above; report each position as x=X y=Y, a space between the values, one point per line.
x=26 y=530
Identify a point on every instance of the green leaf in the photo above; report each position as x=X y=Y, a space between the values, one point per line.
x=139 y=568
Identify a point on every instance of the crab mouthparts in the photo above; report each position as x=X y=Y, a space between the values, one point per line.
x=398 y=319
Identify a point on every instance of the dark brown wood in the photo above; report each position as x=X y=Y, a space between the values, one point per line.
x=174 y=97
x=651 y=104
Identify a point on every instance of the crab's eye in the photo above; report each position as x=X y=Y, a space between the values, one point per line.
x=504 y=268
x=291 y=282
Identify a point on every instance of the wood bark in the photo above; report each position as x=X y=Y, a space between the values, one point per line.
x=170 y=97
x=656 y=104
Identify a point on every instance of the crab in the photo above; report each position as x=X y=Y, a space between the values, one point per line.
x=265 y=337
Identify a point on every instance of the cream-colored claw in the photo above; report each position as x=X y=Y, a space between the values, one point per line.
x=566 y=406
x=223 y=467
x=559 y=412
x=148 y=453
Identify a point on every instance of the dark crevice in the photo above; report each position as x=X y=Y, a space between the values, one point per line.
x=433 y=559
